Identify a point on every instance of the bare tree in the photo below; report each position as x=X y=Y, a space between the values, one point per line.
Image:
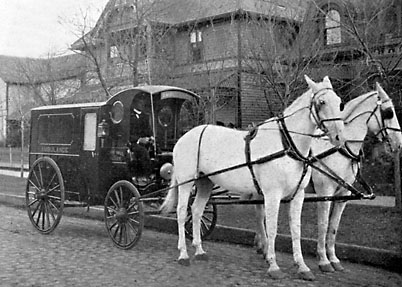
x=279 y=55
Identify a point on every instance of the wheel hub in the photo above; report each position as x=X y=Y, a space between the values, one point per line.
x=121 y=215
x=42 y=194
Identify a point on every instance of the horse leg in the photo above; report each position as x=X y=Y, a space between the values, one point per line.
x=184 y=194
x=335 y=219
x=271 y=205
x=260 y=239
x=323 y=210
x=204 y=187
x=295 y=209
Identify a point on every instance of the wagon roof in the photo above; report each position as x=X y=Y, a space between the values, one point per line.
x=70 y=106
x=156 y=89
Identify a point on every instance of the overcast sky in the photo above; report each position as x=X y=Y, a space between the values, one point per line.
x=37 y=28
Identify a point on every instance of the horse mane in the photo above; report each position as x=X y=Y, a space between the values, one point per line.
x=299 y=102
x=354 y=104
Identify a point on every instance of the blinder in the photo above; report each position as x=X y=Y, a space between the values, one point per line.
x=387 y=113
x=342 y=106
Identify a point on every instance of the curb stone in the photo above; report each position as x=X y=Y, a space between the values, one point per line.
x=386 y=259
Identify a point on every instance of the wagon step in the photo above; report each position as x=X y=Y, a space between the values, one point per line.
x=71 y=203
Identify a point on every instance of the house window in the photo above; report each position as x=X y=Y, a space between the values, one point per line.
x=196 y=45
x=332 y=31
x=113 y=52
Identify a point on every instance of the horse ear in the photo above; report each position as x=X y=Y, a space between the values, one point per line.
x=310 y=82
x=379 y=88
x=327 y=81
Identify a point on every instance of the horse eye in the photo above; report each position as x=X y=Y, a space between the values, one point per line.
x=321 y=102
x=387 y=114
x=341 y=106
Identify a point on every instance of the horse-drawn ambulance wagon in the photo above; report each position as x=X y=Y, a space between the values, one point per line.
x=80 y=156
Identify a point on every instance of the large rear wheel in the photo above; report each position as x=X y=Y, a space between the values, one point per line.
x=44 y=195
x=124 y=214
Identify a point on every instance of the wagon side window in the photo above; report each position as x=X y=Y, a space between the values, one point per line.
x=90 y=132
x=56 y=129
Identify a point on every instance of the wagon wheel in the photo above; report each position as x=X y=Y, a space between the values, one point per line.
x=44 y=195
x=208 y=220
x=124 y=214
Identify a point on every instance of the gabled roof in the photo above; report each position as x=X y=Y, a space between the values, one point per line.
x=185 y=11
x=17 y=70
x=182 y=12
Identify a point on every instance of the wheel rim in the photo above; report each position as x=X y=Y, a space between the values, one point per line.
x=208 y=221
x=45 y=195
x=124 y=215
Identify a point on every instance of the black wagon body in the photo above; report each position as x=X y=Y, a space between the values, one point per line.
x=79 y=156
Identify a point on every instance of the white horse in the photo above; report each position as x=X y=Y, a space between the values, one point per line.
x=205 y=150
x=372 y=112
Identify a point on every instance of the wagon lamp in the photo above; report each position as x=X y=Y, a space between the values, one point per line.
x=103 y=131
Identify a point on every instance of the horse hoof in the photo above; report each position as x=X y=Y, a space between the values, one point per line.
x=201 y=257
x=327 y=268
x=184 y=262
x=337 y=266
x=276 y=274
x=306 y=275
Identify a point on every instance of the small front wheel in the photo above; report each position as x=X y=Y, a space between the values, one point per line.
x=124 y=214
x=208 y=220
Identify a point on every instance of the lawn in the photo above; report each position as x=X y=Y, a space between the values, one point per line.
x=371 y=226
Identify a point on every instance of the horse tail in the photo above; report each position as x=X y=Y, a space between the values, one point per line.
x=171 y=198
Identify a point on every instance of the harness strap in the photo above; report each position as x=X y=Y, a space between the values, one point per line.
x=251 y=134
x=197 y=172
x=305 y=168
x=288 y=143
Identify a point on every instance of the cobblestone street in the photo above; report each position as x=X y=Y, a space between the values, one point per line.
x=80 y=253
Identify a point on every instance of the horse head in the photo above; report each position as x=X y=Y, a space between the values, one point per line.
x=384 y=122
x=325 y=110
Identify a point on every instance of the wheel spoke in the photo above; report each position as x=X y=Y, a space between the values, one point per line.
x=39 y=214
x=111 y=211
x=133 y=228
x=51 y=190
x=136 y=212
x=117 y=197
x=33 y=202
x=133 y=221
x=132 y=205
x=47 y=211
x=51 y=207
x=39 y=181
x=40 y=175
x=113 y=225
x=51 y=181
x=34 y=185
x=36 y=209
x=54 y=206
x=114 y=203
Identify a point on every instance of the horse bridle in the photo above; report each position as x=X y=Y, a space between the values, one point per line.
x=386 y=114
x=321 y=122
